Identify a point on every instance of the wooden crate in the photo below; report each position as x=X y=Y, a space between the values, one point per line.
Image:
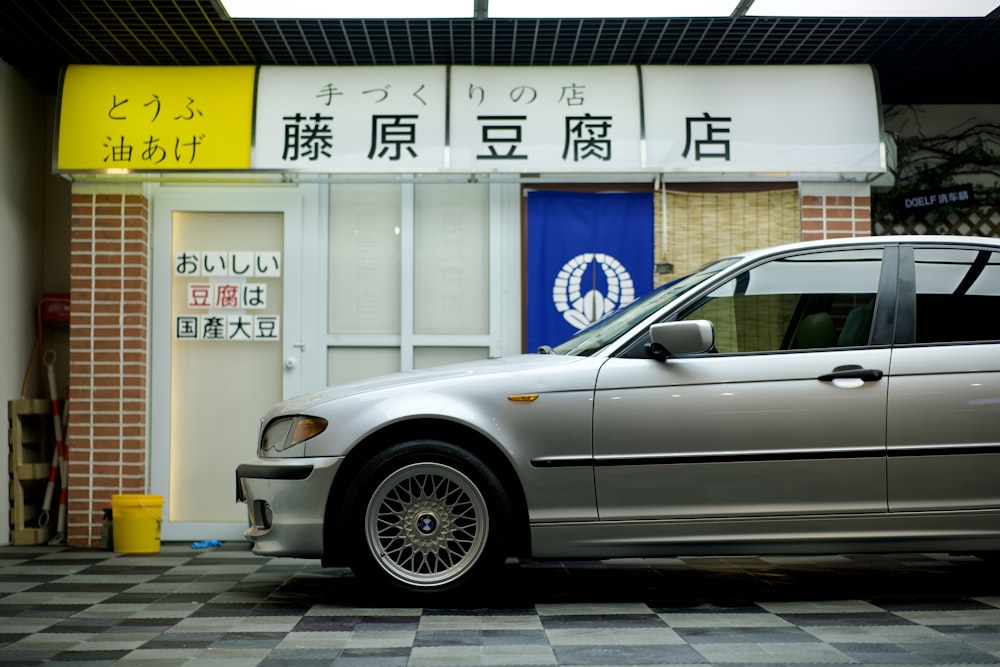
x=32 y=443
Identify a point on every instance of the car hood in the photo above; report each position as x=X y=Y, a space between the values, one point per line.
x=526 y=363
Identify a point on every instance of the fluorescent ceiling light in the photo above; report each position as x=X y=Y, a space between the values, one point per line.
x=509 y=9
x=541 y=9
x=349 y=9
x=873 y=8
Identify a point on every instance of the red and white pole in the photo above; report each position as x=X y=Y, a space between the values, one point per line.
x=60 y=454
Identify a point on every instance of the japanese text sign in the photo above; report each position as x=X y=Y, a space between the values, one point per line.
x=155 y=118
x=215 y=303
x=762 y=118
x=659 y=118
x=544 y=118
x=228 y=263
x=351 y=118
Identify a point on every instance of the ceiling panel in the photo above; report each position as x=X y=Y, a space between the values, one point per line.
x=918 y=60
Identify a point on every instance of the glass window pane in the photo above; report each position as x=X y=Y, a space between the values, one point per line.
x=451 y=290
x=848 y=271
x=346 y=364
x=364 y=255
x=428 y=357
x=810 y=301
x=958 y=295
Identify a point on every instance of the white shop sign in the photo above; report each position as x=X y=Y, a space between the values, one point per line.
x=762 y=119
x=544 y=119
x=350 y=118
x=660 y=119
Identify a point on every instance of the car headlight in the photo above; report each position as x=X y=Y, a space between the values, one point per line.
x=286 y=432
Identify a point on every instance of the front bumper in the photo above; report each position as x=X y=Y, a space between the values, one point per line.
x=286 y=504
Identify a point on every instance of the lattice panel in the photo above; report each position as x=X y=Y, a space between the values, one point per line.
x=982 y=221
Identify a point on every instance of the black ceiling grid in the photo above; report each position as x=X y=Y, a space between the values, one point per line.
x=919 y=61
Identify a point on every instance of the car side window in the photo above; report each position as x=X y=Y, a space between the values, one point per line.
x=808 y=301
x=957 y=295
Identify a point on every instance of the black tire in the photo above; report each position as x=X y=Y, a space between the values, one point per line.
x=426 y=517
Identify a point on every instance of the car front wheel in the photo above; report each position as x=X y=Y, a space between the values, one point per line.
x=427 y=517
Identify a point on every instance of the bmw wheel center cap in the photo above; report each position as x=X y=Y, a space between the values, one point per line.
x=427 y=523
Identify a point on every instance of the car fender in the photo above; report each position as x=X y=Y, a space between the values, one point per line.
x=521 y=415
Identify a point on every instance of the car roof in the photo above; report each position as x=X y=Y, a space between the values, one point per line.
x=913 y=239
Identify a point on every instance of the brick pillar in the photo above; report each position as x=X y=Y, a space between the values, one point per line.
x=835 y=211
x=108 y=357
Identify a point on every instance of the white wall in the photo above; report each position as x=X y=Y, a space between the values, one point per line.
x=34 y=246
x=22 y=146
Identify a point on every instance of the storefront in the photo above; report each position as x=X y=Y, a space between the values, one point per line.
x=241 y=234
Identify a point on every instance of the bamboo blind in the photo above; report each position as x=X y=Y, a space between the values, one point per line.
x=702 y=226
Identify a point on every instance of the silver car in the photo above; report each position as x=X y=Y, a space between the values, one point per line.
x=831 y=397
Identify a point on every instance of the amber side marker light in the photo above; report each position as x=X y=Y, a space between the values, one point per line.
x=305 y=428
x=522 y=398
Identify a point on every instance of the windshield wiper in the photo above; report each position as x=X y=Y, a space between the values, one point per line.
x=545 y=349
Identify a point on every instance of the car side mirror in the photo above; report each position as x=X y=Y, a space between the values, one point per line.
x=685 y=337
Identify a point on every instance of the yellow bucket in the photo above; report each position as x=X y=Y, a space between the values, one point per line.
x=136 y=523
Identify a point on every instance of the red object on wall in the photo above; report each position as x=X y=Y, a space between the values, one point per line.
x=55 y=309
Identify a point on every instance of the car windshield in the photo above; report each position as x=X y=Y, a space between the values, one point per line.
x=608 y=329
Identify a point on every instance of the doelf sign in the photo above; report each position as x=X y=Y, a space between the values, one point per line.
x=960 y=195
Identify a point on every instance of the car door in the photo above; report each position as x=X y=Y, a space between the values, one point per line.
x=786 y=416
x=944 y=402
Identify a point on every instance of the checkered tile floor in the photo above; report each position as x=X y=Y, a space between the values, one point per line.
x=225 y=607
